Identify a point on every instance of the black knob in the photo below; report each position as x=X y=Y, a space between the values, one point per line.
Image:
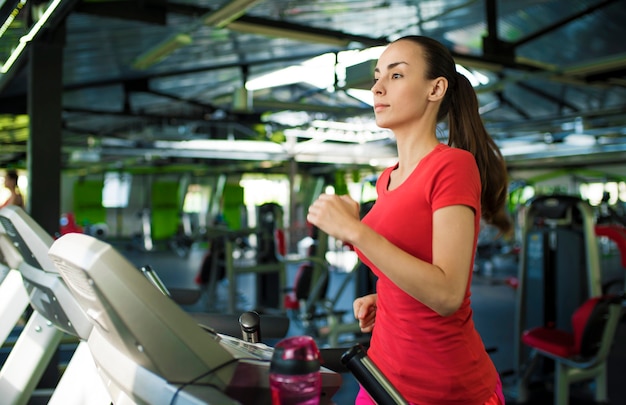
x=250 y=323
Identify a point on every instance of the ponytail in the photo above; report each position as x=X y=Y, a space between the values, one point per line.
x=466 y=131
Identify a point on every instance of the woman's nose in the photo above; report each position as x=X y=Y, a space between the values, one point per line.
x=377 y=87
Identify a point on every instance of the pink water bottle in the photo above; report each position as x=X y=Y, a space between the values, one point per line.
x=295 y=372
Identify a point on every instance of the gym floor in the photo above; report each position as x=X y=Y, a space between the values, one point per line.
x=493 y=303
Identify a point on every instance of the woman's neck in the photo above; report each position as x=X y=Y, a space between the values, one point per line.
x=411 y=150
x=410 y=153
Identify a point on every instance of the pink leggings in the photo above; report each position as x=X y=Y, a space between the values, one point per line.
x=497 y=398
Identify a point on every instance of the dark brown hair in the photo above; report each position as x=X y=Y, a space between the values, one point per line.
x=467 y=131
x=12 y=174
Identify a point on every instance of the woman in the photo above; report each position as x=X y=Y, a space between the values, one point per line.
x=420 y=236
x=10 y=182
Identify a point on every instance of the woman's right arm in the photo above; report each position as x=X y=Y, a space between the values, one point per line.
x=365 y=311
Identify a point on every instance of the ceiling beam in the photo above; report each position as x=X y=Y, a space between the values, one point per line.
x=55 y=18
x=605 y=117
x=274 y=105
x=281 y=28
x=183 y=72
x=545 y=95
x=206 y=107
x=611 y=69
x=228 y=13
x=506 y=101
x=494 y=48
x=233 y=117
x=284 y=29
x=148 y=11
x=568 y=158
x=142 y=85
x=560 y=23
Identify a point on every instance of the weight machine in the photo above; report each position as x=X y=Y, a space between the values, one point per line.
x=559 y=269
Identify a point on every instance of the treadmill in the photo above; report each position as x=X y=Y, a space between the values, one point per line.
x=150 y=351
x=55 y=314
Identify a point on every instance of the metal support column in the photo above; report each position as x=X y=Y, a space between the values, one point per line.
x=45 y=84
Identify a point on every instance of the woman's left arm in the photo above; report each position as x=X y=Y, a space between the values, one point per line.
x=440 y=285
x=453 y=248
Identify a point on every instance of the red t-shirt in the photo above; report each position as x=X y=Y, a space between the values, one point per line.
x=430 y=359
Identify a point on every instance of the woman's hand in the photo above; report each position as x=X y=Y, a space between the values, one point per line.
x=365 y=311
x=335 y=215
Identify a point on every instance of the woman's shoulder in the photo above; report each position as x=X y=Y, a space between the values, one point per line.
x=447 y=150
x=448 y=154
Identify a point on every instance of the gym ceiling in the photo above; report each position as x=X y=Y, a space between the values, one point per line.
x=162 y=82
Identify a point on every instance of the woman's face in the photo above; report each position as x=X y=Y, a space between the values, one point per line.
x=400 y=88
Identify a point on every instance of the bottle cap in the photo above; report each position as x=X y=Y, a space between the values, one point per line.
x=295 y=355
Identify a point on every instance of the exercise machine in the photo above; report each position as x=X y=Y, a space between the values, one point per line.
x=58 y=316
x=310 y=301
x=371 y=377
x=148 y=350
x=579 y=356
x=559 y=269
x=55 y=315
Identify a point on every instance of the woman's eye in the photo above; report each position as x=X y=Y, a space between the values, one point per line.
x=396 y=75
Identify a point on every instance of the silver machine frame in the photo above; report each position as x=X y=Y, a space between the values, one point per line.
x=150 y=351
x=33 y=279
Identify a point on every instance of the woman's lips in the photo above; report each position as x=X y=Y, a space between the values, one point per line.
x=380 y=107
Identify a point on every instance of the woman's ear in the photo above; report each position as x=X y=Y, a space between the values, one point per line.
x=438 y=89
